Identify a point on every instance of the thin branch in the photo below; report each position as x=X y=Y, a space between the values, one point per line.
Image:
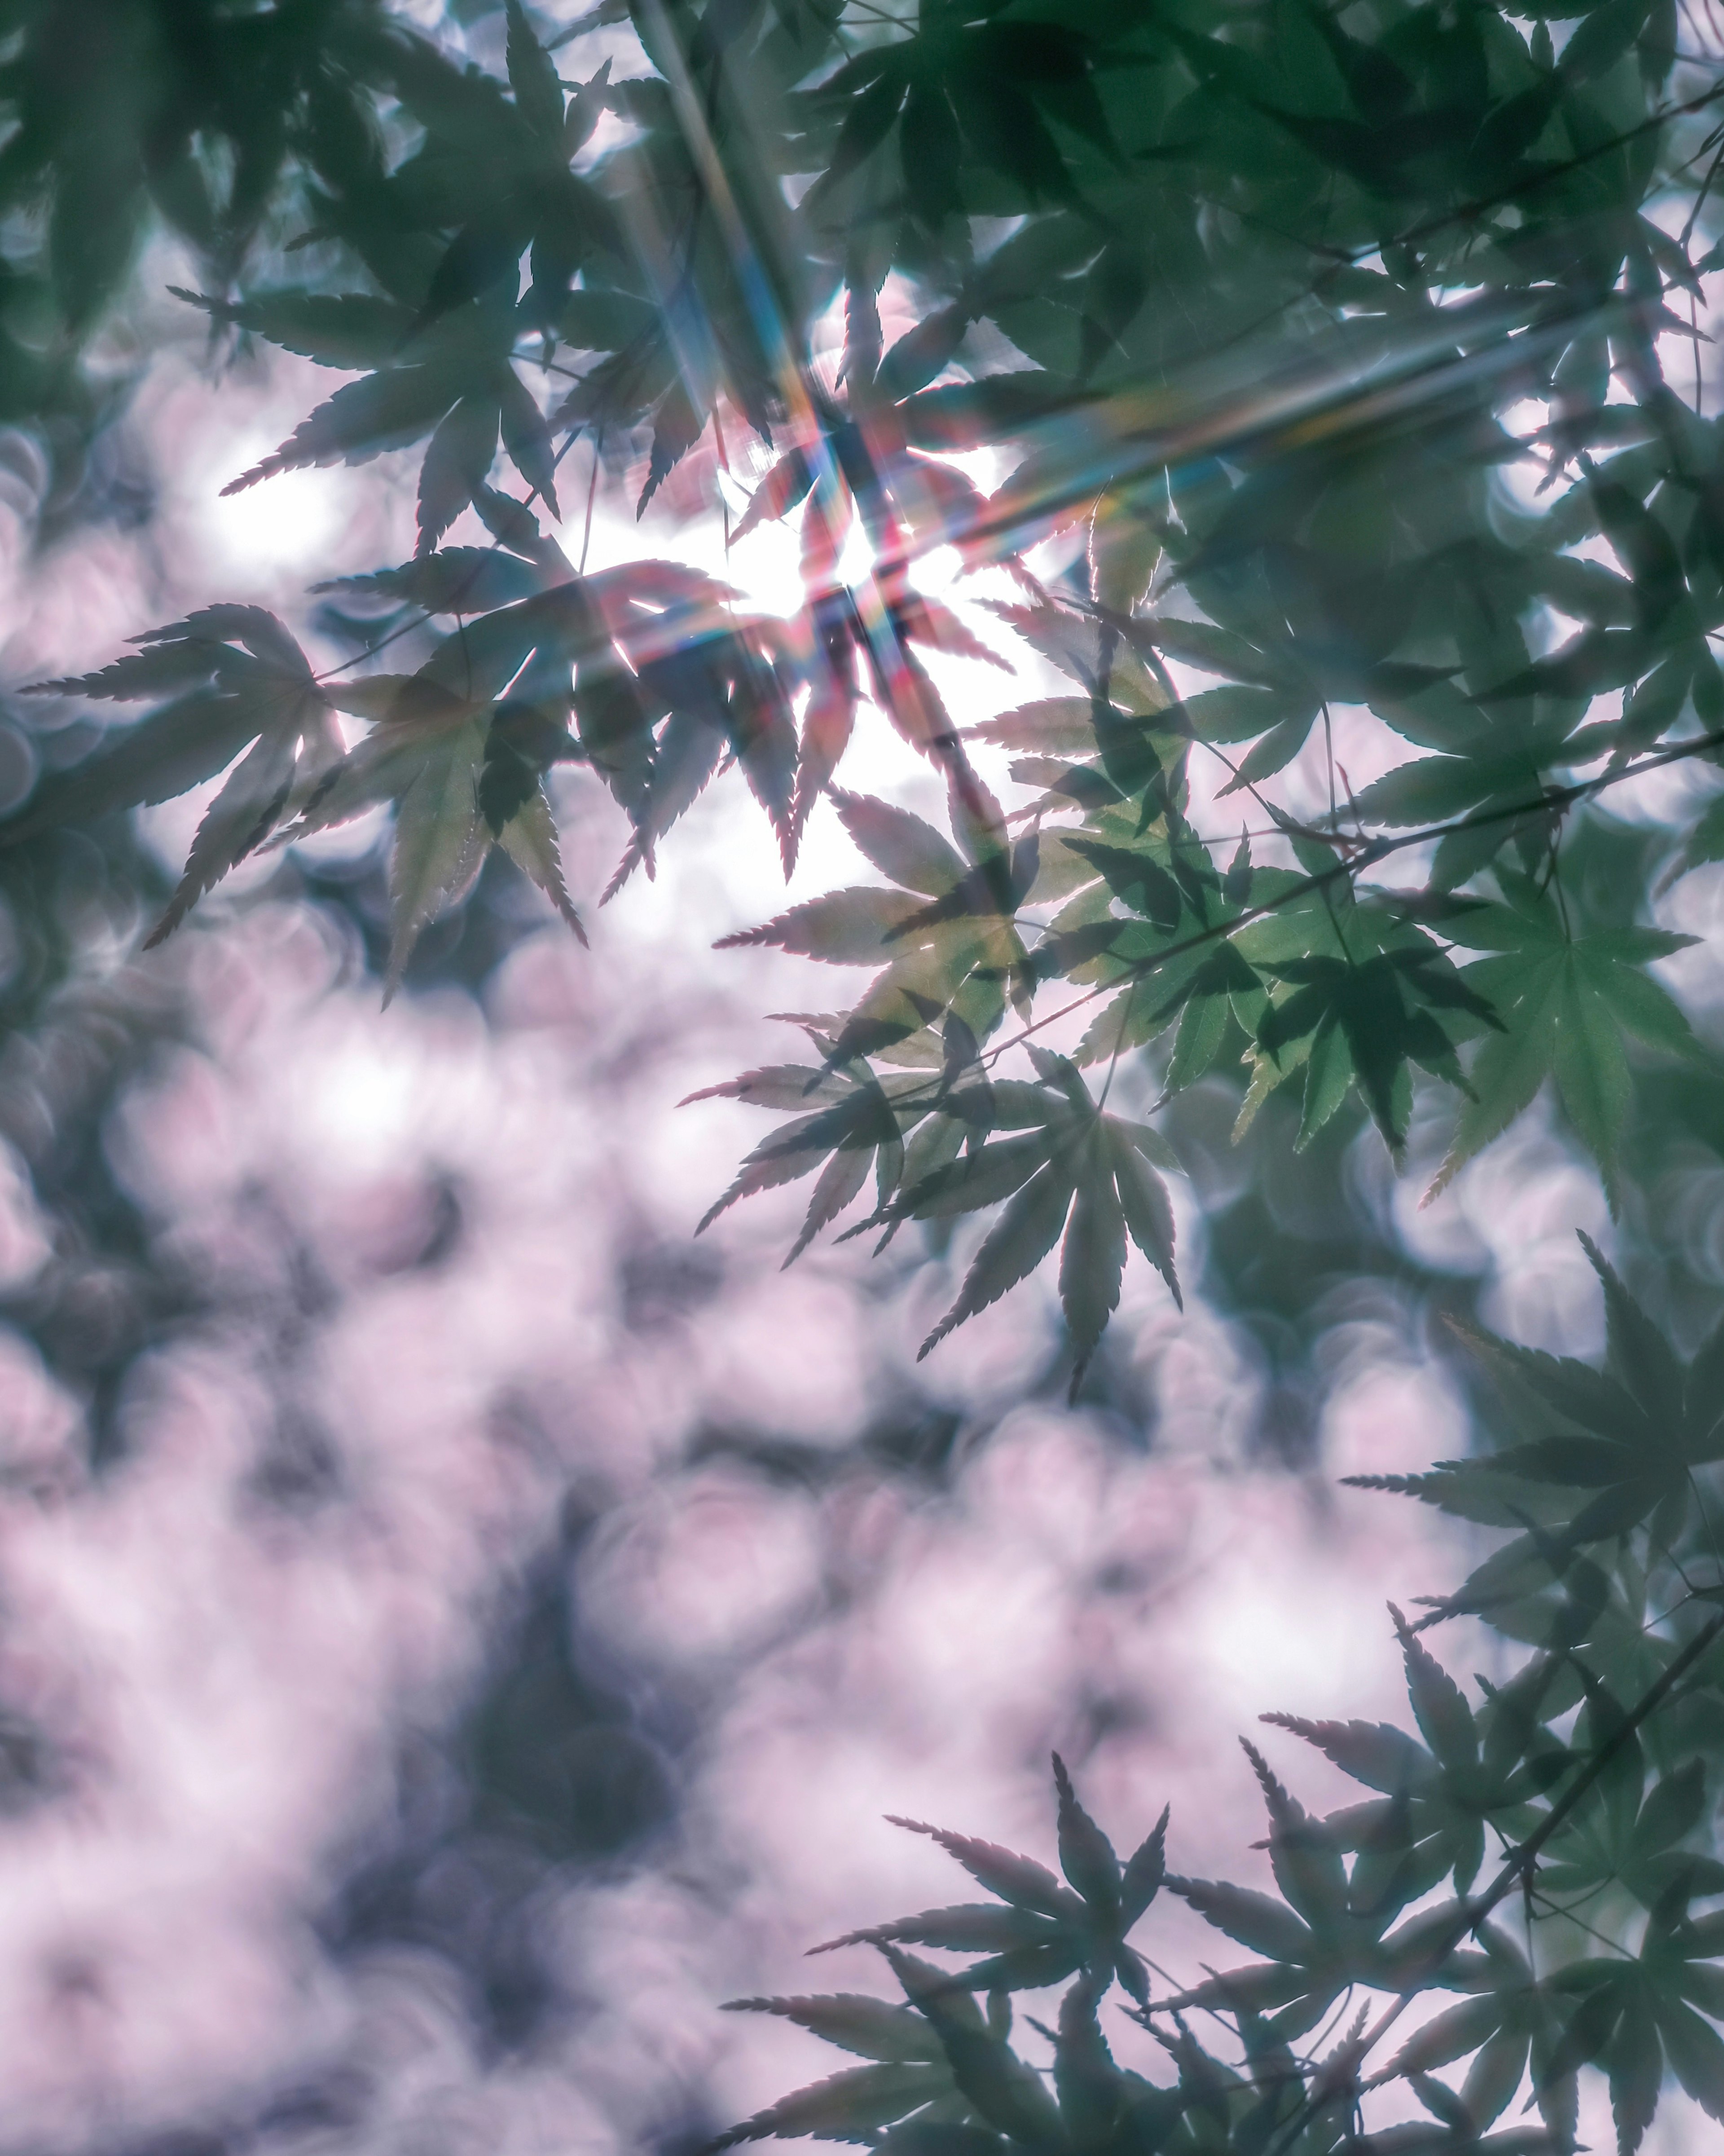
x=1368 y=856
x=1519 y=1866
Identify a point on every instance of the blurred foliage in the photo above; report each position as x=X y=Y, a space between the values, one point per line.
x=1256 y=308
x=550 y=1768
x=121 y=117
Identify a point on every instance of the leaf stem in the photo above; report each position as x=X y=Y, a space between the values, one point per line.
x=1519 y=1865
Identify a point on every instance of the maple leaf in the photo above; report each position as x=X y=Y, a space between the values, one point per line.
x=1632 y=1437
x=1322 y=1935
x=1565 y=1004
x=463 y=774
x=1040 y=1927
x=240 y=679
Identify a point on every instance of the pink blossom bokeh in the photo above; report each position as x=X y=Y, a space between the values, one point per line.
x=440 y=1285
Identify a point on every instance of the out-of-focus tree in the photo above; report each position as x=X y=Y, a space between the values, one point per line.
x=1319 y=398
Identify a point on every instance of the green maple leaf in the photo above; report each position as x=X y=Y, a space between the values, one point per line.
x=1631 y=1436
x=947 y=932
x=1063 y=1167
x=1471 y=1776
x=1621 y=1833
x=454 y=580
x=463 y=773
x=1069 y=1168
x=1322 y=1934
x=857 y=1124
x=1041 y=1928
x=336 y=329
x=909 y=2076
x=1637 y=2015
x=1516 y=2021
x=1365 y=1022
x=240 y=679
x=1565 y=1004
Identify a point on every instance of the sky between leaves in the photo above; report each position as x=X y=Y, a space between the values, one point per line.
x=1268 y=548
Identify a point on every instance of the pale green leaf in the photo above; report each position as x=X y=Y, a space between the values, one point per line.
x=1592 y=1071
x=529 y=838
x=1144 y=1203
x=238 y=819
x=440 y=840
x=1013 y=1248
x=1093 y=1258
x=1508 y=1069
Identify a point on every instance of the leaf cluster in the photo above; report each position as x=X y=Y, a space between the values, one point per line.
x=1590 y=1778
x=1251 y=308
